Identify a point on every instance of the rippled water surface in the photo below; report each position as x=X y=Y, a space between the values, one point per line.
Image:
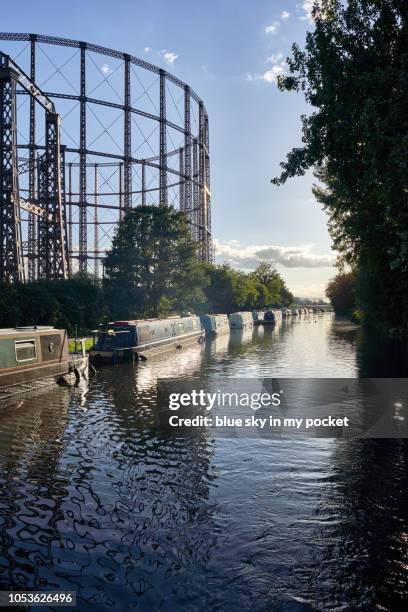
x=93 y=499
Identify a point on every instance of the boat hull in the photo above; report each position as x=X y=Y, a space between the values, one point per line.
x=215 y=324
x=23 y=381
x=240 y=320
x=147 y=350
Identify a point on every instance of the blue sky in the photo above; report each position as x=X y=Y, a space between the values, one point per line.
x=229 y=51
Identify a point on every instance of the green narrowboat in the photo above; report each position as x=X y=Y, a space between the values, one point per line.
x=38 y=355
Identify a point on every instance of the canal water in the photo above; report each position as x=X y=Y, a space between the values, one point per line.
x=94 y=500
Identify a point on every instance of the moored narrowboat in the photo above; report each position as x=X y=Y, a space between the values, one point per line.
x=37 y=356
x=272 y=316
x=214 y=324
x=122 y=340
x=239 y=320
x=258 y=316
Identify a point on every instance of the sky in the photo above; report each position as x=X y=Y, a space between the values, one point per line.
x=229 y=52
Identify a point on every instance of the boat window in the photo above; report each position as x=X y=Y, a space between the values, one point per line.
x=25 y=350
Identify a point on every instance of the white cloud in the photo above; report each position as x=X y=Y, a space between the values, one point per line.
x=272 y=29
x=307 y=7
x=168 y=56
x=278 y=67
x=271 y=75
x=275 y=58
x=285 y=15
x=310 y=290
x=106 y=70
x=287 y=256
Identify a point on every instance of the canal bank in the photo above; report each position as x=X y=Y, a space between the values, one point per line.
x=95 y=500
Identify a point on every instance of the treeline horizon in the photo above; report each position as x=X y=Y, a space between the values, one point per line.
x=81 y=303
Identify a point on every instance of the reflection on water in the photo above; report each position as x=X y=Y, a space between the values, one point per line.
x=92 y=499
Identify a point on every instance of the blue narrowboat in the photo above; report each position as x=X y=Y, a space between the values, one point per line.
x=122 y=340
x=215 y=324
x=273 y=316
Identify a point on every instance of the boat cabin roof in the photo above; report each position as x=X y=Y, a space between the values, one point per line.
x=154 y=320
x=25 y=330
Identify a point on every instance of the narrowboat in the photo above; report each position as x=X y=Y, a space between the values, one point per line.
x=258 y=316
x=32 y=357
x=239 y=320
x=215 y=323
x=122 y=340
x=273 y=316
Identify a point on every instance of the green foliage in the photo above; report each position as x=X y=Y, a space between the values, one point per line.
x=77 y=302
x=9 y=305
x=191 y=281
x=272 y=290
x=151 y=257
x=341 y=293
x=354 y=72
x=89 y=342
x=230 y=290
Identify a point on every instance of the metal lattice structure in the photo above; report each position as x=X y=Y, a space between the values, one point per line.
x=133 y=134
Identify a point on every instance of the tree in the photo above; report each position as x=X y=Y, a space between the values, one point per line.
x=354 y=73
x=189 y=292
x=272 y=290
x=341 y=293
x=286 y=297
x=77 y=303
x=220 y=289
x=229 y=290
x=151 y=252
x=245 y=291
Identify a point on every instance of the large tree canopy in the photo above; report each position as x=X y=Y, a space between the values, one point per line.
x=272 y=290
x=151 y=252
x=354 y=73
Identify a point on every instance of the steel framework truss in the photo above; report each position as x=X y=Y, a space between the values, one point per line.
x=51 y=252
x=60 y=204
